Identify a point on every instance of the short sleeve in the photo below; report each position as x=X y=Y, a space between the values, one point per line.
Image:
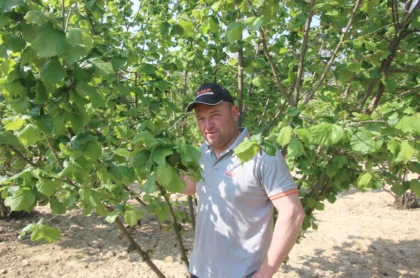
x=275 y=176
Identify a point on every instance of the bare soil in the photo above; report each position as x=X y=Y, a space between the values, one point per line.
x=361 y=235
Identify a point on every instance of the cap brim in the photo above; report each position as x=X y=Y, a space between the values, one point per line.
x=203 y=101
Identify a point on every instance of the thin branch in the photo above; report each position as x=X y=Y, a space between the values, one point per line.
x=57 y=159
x=240 y=84
x=386 y=65
x=22 y=156
x=412 y=90
x=265 y=110
x=176 y=227
x=331 y=61
x=63 y=24
x=67 y=21
x=280 y=86
x=395 y=19
x=303 y=51
x=137 y=247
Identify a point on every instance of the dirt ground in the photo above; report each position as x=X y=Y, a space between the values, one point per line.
x=361 y=235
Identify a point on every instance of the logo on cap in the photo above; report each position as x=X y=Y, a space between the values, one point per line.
x=207 y=91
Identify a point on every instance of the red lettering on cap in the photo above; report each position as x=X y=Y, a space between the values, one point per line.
x=202 y=92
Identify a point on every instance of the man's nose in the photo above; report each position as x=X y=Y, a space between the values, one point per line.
x=209 y=123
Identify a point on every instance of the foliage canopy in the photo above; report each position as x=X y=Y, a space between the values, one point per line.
x=93 y=97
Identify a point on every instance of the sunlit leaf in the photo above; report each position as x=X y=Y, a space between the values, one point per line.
x=363 y=142
x=410 y=124
x=326 y=134
x=234 y=31
x=53 y=71
x=49 y=42
x=246 y=150
x=132 y=216
x=285 y=136
x=29 y=135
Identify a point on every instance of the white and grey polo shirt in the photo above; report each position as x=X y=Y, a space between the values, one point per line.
x=234 y=219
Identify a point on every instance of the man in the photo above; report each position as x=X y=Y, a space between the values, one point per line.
x=234 y=234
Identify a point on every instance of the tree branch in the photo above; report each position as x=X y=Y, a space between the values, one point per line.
x=240 y=84
x=22 y=156
x=331 y=61
x=395 y=19
x=280 y=86
x=176 y=227
x=303 y=51
x=50 y=144
x=137 y=247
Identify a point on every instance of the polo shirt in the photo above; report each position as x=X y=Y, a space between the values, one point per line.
x=234 y=223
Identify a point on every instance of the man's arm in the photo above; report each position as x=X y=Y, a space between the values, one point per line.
x=286 y=231
x=191 y=187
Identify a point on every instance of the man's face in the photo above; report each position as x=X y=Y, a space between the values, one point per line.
x=218 y=124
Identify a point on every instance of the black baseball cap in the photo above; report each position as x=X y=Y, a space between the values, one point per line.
x=210 y=94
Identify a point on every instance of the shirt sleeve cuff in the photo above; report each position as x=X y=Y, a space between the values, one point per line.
x=284 y=194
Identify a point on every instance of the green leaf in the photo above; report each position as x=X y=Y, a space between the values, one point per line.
x=326 y=134
x=150 y=185
x=101 y=67
x=364 y=180
x=41 y=93
x=112 y=216
x=132 y=216
x=75 y=36
x=336 y=164
x=146 y=138
x=285 y=136
x=399 y=189
x=256 y=24
x=304 y=135
x=148 y=69
x=246 y=150
x=407 y=152
x=168 y=177
x=47 y=187
x=13 y=42
x=122 y=174
x=409 y=124
x=187 y=27
x=13 y=123
x=53 y=71
x=49 y=42
x=29 y=135
x=295 y=148
x=20 y=105
x=40 y=231
x=10 y=5
x=93 y=150
x=23 y=199
x=57 y=207
x=189 y=154
x=160 y=153
x=363 y=142
x=15 y=89
x=78 y=142
x=162 y=211
x=45 y=123
x=234 y=31
x=415 y=187
x=139 y=159
x=35 y=17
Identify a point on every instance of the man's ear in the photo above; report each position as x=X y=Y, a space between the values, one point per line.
x=235 y=112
